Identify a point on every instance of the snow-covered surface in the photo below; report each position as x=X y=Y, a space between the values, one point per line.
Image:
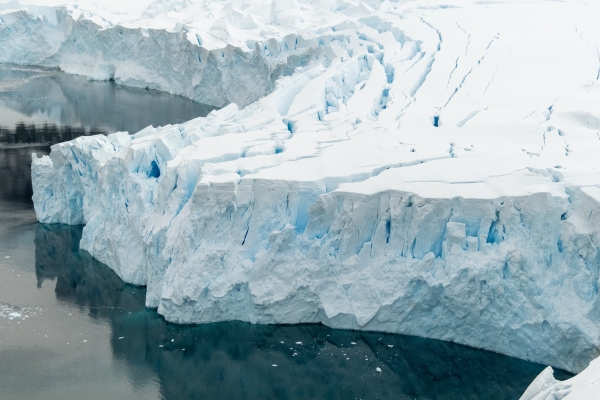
x=584 y=386
x=414 y=167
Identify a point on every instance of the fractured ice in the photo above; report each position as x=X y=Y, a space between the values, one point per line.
x=394 y=166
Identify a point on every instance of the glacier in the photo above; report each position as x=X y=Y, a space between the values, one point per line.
x=401 y=166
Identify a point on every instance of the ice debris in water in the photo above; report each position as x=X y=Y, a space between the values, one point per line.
x=12 y=312
x=380 y=166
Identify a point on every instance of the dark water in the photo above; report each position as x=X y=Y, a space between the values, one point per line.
x=84 y=334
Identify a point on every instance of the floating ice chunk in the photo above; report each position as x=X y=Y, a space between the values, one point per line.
x=583 y=386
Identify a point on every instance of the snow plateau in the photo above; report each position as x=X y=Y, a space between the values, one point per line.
x=399 y=166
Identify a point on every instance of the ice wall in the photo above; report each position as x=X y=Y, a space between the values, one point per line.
x=430 y=170
x=140 y=52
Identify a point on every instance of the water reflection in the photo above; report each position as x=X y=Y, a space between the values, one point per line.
x=47 y=106
x=236 y=360
x=40 y=107
x=15 y=164
x=47 y=134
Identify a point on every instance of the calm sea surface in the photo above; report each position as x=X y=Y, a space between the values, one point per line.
x=81 y=333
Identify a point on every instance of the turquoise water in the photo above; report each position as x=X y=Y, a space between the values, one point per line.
x=85 y=334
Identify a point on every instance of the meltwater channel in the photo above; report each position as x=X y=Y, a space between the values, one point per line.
x=71 y=329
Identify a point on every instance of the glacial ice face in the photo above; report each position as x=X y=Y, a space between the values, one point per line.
x=136 y=49
x=430 y=171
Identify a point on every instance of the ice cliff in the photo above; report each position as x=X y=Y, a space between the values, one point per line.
x=405 y=167
x=163 y=45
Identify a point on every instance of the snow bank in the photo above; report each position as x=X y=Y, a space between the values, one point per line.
x=424 y=169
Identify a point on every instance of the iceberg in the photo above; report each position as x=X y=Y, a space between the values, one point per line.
x=405 y=167
x=582 y=386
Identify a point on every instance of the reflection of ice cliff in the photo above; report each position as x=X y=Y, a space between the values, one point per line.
x=404 y=167
x=235 y=360
x=46 y=106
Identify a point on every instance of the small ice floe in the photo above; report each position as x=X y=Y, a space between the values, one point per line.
x=390 y=345
x=162 y=345
x=7 y=257
x=281 y=342
x=378 y=369
x=352 y=342
x=84 y=341
x=274 y=365
x=122 y=337
x=299 y=343
x=11 y=311
x=172 y=340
